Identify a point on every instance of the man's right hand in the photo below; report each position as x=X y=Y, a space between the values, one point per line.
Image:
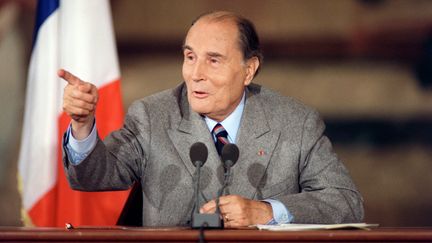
x=79 y=102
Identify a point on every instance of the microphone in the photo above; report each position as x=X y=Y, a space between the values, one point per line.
x=230 y=154
x=198 y=154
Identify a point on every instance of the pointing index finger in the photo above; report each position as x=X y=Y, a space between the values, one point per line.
x=68 y=77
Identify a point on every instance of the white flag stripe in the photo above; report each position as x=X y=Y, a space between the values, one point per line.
x=62 y=42
x=95 y=64
x=39 y=136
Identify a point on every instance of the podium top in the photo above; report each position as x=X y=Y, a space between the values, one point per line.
x=176 y=234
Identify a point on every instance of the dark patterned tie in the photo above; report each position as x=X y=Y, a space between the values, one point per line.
x=221 y=137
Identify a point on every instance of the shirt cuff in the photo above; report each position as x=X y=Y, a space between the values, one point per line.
x=85 y=145
x=281 y=215
x=78 y=150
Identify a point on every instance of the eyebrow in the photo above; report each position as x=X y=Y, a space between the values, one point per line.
x=186 y=47
x=211 y=53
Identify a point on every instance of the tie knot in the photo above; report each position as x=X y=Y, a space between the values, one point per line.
x=221 y=137
x=219 y=131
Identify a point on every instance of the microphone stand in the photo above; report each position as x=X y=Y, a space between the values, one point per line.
x=230 y=154
x=227 y=177
x=200 y=221
x=198 y=176
x=226 y=183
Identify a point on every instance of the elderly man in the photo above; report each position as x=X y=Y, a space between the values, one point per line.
x=287 y=171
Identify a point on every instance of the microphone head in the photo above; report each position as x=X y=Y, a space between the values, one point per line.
x=198 y=152
x=230 y=153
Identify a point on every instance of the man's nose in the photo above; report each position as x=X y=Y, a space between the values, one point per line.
x=198 y=72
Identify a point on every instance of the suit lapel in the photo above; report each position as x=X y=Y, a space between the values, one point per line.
x=191 y=129
x=256 y=142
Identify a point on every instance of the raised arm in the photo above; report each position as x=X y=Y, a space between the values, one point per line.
x=79 y=102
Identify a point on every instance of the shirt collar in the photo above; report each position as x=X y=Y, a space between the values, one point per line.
x=231 y=123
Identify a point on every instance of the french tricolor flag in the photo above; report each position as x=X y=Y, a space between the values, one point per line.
x=76 y=35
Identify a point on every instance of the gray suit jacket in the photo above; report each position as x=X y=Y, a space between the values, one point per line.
x=283 y=155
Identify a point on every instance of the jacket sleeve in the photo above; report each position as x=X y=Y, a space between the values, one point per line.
x=116 y=162
x=327 y=193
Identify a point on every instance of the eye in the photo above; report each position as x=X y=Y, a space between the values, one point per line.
x=189 y=56
x=215 y=61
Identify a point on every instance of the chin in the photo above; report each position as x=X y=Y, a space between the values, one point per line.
x=199 y=106
x=199 y=110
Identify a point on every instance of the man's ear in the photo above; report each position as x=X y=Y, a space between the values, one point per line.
x=252 y=65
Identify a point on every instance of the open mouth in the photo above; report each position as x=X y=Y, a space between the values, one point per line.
x=200 y=94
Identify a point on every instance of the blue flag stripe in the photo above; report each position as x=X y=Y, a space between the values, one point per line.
x=44 y=9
